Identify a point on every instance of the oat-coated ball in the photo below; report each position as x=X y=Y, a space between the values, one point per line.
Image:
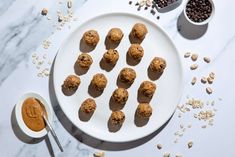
x=117 y=117
x=127 y=75
x=99 y=81
x=71 y=83
x=157 y=64
x=147 y=88
x=115 y=35
x=144 y=110
x=91 y=37
x=88 y=106
x=120 y=95
x=136 y=52
x=84 y=60
x=139 y=31
x=111 y=56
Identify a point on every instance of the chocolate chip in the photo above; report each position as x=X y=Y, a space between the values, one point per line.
x=130 y=2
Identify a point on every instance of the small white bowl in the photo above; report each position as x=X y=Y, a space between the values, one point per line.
x=19 y=117
x=203 y=22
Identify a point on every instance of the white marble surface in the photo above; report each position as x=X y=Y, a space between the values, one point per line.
x=22 y=31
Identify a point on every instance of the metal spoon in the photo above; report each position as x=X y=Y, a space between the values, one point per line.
x=52 y=131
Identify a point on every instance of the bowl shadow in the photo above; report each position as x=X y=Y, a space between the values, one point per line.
x=87 y=139
x=134 y=40
x=140 y=121
x=106 y=66
x=79 y=70
x=114 y=106
x=94 y=92
x=130 y=61
x=188 y=30
x=154 y=75
x=109 y=44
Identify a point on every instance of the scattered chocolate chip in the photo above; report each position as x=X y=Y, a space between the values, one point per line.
x=153 y=12
x=130 y=2
x=146 y=8
x=136 y=4
x=158 y=17
x=164 y=3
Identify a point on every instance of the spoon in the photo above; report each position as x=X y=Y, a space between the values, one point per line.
x=52 y=131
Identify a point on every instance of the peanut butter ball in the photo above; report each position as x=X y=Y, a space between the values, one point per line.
x=71 y=83
x=144 y=110
x=147 y=88
x=88 y=106
x=157 y=65
x=115 y=35
x=111 y=56
x=136 y=52
x=139 y=31
x=127 y=75
x=91 y=37
x=84 y=60
x=117 y=117
x=99 y=81
x=120 y=95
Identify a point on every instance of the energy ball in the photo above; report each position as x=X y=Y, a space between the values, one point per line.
x=111 y=56
x=136 y=52
x=91 y=37
x=71 y=83
x=127 y=75
x=84 y=60
x=139 y=31
x=115 y=35
x=88 y=106
x=120 y=95
x=157 y=65
x=144 y=110
x=147 y=88
x=99 y=81
x=117 y=117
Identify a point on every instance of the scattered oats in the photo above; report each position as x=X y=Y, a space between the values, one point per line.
x=212 y=75
x=37 y=58
x=220 y=99
x=187 y=109
x=189 y=126
x=204 y=126
x=69 y=4
x=215 y=110
x=181 y=126
x=179 y=115
x=34 y=55
x=181 y=134
x=190 y=144
x=38 y=67
x=40 y=75
x=75 y=19
x=176 y=140
x=159 y=146
x=166 y=155
x=60 y=2
x=194 y=66
x=203 y=80
x=44 y=56
x=49 y=62
x=98 y=154
x=187 y=54
x=40 y=62
x=207 y=59
x=213 y=103
x=184 y=129
x=176 y=133
x=48 y=18
x=210 y=80
x=194 y=57
x=195 y=115
x=194 y=103
x=177 y=155
x=209 y=90
x=194 y=80
x=187 y=96
x=44 y=11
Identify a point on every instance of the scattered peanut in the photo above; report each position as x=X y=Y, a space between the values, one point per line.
x=44 y=12
x=203 y=80
x=209 y=90
x=187 y=54
x=194 y=80
x=207 y=60
x=194 y=66
x=190 y=144
x=194 y=57
x=166 y=155
x=159 y=146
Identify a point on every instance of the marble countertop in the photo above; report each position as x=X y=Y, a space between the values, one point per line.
x=26 y=33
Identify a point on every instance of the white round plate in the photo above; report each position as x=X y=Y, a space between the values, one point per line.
x=19 y=118
x=169 y=86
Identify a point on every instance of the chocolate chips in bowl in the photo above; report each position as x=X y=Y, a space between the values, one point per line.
x=199 y=12
x=166 y=5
